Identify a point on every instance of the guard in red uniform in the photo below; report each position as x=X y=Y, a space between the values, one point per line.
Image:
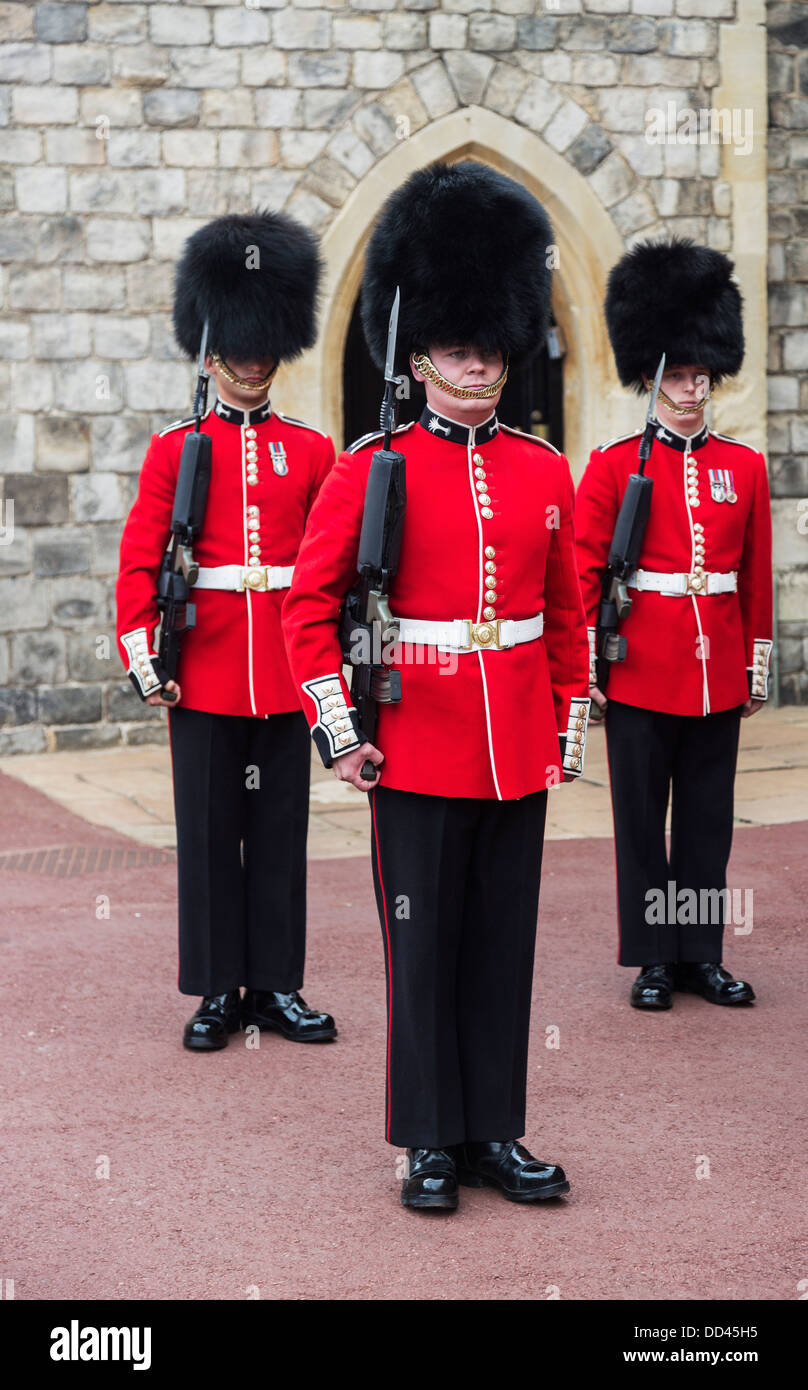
x=699 y=634
x=493 y=663
x=239 y=740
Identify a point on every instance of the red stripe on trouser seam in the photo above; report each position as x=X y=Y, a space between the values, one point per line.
x=389 y=962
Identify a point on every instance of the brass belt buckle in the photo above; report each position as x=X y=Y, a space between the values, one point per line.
x=255 y=579
x=483 y=634
x=697 y=583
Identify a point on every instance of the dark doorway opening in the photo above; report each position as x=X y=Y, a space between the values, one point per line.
x=532 y=401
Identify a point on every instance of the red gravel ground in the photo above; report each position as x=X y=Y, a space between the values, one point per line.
x=264 y=1173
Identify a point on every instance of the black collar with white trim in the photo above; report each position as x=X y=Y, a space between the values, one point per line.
x=681 y=442
x=443 y=428
x=234 y=415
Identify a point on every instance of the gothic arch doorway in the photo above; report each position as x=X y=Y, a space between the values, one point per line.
x=594 y=406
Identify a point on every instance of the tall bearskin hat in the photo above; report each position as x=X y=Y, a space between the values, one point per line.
x=255 y=277
x=468 y=249
x=678 y=298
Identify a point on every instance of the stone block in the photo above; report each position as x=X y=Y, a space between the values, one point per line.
x=377 y=70
x=105 y=540
x=318 y=70
x=76 y=601
x=91 y=656
x=236 y=108
x=45 y=105
x=293 y=28
x=237 y=26
x=247 y=149
x=565 y=125
x=278 y=108
x=61 y=335
x=15 y=557
x=25 y=62
x=447 y=31
x=179 y=25
x=434 y=89
x=144 y=65
x=28 y=740
x=17 y=707
x=590 y=149
x=66 y=704
x=16 y=445
x=117 y=239
x=82 y=65
x=538 y=103
x=93 y=289
x=40 y=190
x=492 y=33
x=171 y=107
x=96 y=497
x=63 y=23
x=23 y=604
x=15 y=340
x=204 y=67
x=71 y=738
x=40 y=499
x=117 y=24
x=62 y=444
x=150 y=390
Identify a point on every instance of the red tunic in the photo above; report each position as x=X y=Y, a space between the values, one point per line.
x=234 y=660
x=699 y=653
x=485 y=723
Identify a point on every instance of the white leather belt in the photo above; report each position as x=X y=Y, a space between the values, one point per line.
x=259 y=578
x=464 y=635
x=680 y=585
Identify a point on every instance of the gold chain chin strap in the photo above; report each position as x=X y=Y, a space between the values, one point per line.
x=239 y=380
x=427 y=368
x=683 y=409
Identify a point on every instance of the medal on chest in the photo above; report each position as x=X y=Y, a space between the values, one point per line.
x=722 y=485
x=278 y=455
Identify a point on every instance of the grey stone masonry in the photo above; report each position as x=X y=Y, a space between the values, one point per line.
x=128 y=123
x=788 y=330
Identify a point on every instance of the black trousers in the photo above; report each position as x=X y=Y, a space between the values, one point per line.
x=241 y=797
x=692 y=759
x=457 y=888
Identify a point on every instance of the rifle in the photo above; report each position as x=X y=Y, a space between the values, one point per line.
x=624 y=552
x=179 y=570
x=365 y=617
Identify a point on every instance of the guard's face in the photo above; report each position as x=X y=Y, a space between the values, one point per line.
x=686 y=385
x=466 y=366
x=254 y=375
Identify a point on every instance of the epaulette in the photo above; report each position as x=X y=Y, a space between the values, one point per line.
x=290 y=420
x=534 y=438
x=618 y=439
x=374 y=434
x=178 y=424
x=728 y=439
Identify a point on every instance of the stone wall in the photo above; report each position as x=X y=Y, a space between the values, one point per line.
x=788 y=333
x=126 y=125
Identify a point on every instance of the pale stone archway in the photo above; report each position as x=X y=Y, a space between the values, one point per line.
x=595 y=406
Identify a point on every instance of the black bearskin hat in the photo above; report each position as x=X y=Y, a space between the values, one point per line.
x=678 y=298
x=255 y=278
x=468 y=248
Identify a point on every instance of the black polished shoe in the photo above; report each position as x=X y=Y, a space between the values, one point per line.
x=432 y=1179
x=713 y=982
x=653 y=988
x=287 y=1013
x=519 y=1176
x=210 y=1027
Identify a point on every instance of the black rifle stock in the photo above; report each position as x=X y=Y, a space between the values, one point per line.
x=179 y=570
x=365 y=618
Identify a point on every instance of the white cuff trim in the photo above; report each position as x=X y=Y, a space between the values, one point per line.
x=140 y=663
x=333 y=713
x=760 y=669
x=576 y=736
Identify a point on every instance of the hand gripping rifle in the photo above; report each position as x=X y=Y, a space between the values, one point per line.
x=624 y=553
x=179 y=570
x=365 y=618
